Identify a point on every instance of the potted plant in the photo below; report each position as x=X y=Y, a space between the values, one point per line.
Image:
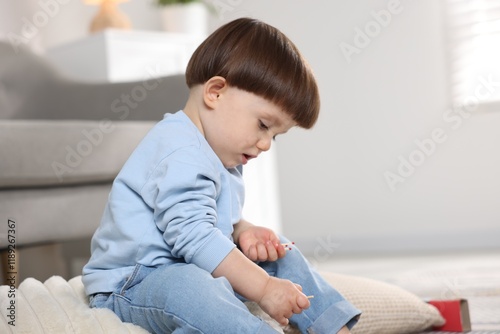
x=184 y=16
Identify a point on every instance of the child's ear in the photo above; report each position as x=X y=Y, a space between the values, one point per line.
x=213 y=89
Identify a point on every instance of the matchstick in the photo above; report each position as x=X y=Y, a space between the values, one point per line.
x=287 y=245
x=310 y=297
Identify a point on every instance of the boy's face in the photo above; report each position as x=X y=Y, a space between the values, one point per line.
x=241 y=125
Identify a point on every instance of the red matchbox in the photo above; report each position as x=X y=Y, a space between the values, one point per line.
x=456 y=314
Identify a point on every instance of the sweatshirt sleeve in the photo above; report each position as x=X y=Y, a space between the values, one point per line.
x=182 y=191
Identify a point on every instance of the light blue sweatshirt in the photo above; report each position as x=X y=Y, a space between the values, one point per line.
x=173 y=201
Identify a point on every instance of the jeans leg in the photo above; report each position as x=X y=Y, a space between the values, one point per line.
x=329 y=311
x=183 y=298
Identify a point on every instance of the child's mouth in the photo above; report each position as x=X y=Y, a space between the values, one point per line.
x=246 y=158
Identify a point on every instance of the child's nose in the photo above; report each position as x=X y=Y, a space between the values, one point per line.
x=264 y=144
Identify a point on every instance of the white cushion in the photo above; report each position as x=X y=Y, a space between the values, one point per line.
x=386 y=308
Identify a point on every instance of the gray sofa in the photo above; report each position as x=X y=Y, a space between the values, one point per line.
x=62 y=143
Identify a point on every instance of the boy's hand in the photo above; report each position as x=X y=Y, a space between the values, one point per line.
x=260 y=244
x=282 y=298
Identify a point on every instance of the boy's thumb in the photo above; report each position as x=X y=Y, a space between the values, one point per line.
x=303 y=301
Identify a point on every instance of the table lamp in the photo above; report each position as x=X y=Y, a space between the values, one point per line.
x=108 y=16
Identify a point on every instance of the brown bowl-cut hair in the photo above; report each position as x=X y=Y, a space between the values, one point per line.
x=258 y=58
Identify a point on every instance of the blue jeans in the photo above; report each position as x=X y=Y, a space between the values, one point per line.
x=184 y=298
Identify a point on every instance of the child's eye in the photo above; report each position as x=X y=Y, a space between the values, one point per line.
x=263 y=126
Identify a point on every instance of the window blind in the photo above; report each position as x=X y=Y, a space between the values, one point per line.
x=473 y=28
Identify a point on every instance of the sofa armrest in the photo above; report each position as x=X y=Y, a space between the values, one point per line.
x=130 y=101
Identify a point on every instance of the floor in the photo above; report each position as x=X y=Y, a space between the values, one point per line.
x=473 y=276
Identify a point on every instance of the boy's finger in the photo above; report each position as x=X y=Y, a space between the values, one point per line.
x=303 y=302
x=252 y=253
x=283 y=321
x=261 y=252
x=272 y=254
x=281 y=251
x=275 y=241
x=296 y=309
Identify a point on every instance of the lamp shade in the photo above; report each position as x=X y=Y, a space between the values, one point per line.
x=108 y=16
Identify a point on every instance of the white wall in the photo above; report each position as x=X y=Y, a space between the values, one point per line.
x=334 y=196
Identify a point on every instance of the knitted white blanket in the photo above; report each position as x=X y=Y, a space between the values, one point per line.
x=56 y=306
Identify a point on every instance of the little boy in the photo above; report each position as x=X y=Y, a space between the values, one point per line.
x=172 y=252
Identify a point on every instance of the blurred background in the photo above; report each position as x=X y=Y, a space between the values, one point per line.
x=405 y=156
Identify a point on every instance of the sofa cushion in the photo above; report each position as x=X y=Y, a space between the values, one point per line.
x=43 y=215
x=59 y=153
